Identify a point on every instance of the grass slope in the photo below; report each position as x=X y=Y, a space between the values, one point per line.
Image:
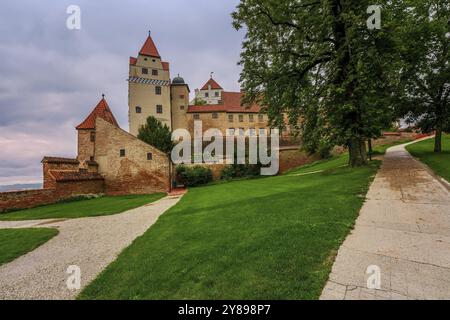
x=271 y=238
x=16 y=242
x=439 y=162
x=83 y=208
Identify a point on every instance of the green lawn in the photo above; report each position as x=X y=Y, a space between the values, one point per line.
x=83 y=208
x=16 y=242
x=439 y=162
x=269 y=238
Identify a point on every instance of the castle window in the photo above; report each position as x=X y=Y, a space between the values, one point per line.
x=216 y=94
x=92 y=137
x=181 y=96
x=215 y=115
x=158 y=90
x=122 y=152
x=196 y=116
x=241 y=131
x=260 y=117
x=138 y=110
x=144 y=71
x=230 y=131
x=181 y=107
x=241 y=118
x=206 y=95
x=149 y=156
x=159 y=109
x=250 y=117
x=252 y=131
x=154 y=72
x=230 y=118
x=262 y=131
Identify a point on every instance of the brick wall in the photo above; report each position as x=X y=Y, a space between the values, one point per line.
x=132 y=173
x=33 y=198
x=49 y=182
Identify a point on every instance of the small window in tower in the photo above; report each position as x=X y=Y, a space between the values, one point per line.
x=159 y=108
x=91 y=158
x=149 y=156
x=215 y=115
x=138 y=110
x=230 y=118
x=122 y=152
x=158 y=90
x=154 y=72
x=216 y=93
x=92 y=136
x=196 y=116
x=181 y=96
x=153 y=60
x=206 y=95
x=181 y=107
x=144 y=71
x=241 y=118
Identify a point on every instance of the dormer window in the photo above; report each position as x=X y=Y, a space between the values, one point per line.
x=216 y=93
x=206 y=95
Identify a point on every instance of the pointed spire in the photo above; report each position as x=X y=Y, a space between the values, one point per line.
x=149 y=48
x=103 y=111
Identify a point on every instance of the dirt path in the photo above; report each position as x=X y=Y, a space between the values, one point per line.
x=89 y=243
x=403 y=231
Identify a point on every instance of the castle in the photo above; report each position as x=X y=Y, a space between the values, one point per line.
x=152 y=93
x=113 y=161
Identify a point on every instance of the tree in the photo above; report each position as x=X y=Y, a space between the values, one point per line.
x=319 y=62
x=156 y=134
x=424 y=86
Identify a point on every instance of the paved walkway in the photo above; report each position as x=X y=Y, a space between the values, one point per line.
x=404 y=229
x=90 y=243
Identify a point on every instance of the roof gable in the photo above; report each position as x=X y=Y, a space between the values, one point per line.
x=213 y=83
x=103 y=111
x=231 y=102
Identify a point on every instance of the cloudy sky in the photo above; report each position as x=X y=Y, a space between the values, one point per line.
x=51 y=77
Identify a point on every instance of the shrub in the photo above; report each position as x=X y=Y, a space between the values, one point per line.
x=193 y=176
x=240 y=170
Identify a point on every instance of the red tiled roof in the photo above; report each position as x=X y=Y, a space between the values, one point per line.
x=149 y=48
x=133 y=61
x=103 y=111
x=213 y=83
x=165 y=66
x=61 y=175
x=231 y=102
x=59 y=160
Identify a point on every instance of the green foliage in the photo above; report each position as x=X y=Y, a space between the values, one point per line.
x=156 y=134
x=423 y=69
x=199 y=102
x=193 y=176
x=240 y=171
x=320 y=63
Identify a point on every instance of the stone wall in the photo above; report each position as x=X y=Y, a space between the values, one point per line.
x=140 y=169
x=56 y=164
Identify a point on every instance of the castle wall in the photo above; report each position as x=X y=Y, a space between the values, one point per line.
x=143 y=95
x=62 y=190
x=132 y=173
x=49 y=182
x=86 y=147
x=180 y=104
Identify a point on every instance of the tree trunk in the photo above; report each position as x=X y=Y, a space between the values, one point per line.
x=369 y=142
x=357 y=151
x=438 y=140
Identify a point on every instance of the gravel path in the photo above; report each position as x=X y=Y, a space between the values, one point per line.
x=89 y=243
x=404 y=230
